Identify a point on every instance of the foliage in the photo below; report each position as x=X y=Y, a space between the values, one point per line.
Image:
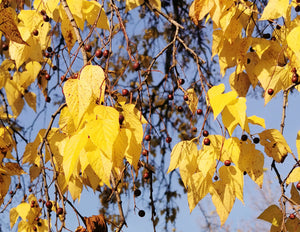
x=121 y=91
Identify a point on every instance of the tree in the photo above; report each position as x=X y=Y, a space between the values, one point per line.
x=130 y=82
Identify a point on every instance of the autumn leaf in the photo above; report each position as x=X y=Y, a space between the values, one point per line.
x=275 y=144
x=294 y=176
x=240 y=83
x=192 y=100
x=90 y=11
x=96 y=223
x=131 y=4
x=199 y=9
x=8 y=25
x=272 y=214
x=4 y=186
x=275 y=9
x=295 y=197
x=217 y=100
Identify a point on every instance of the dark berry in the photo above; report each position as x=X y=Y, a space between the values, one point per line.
x=244 y=137
x=43 y=12
x=267 y=36
x=227 y=162
x=248 y=61
x=199 y=111
x=88 y=48
x=194 y=129
x=106 y=53
x=49 y=204
x=46 y=18
x=278 y=27
x=297 y=8
x=49 y=49
x=47 y=77
x=273 y=38
x=137 y=193
x=145 y=152
x=256 y=140
x=11 y=192
x=98 y=53
x=186 y=97
x=205 y=133
x=270 y=91
x=59 y=211
x=121 y=119
x=170 y=97
x=251 y=49
x=54 y=67
x=39 y=224
x=298 y=186
x=19 y=186
x=136 y=66
x=63 y=78
x=180 y=108
x=292 y=216
x=34 y=228
x=168 y=139
x=5 y=47
x=216 y=177
x=181 y=81
x=142 y=213
x=35 y=32
x=47 y=99
x=125 y=92
x=148 y=137
x=294 y=70
x=40 y=200
x=206 y=141
x=47 y=55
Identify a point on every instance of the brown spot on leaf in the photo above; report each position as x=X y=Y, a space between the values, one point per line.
x=96 y=223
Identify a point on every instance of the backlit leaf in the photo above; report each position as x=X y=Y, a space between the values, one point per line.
x=199 y=9
x=30 y=98
x=294 y=176
x=257 y=121
x=4 y=186
x=8 y=25
x=192 y=100
x=272 y=214
x=295 y=195
x=75 y=187
x=90 y=11
x=131 y=4
x=275 y=9
x=275 y=144
x=240 y=83
x=218 y=100
x=13 y=217
x=179 y=152
x=23 y=210
x=67 y=29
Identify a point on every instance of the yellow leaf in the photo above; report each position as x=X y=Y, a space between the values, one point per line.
x=275 y=144
x=90 y=13
x=66 y=121
x=76 y=9
x=252 y=60
x=30 y=155
x=233 y=177
x=234 y=113
x=34 y=172
x=223 y=198
x=13 y=217
x=4 y=73
x=12 y=169
x=14 y=97
x=89 y=177
x=131 y=4
x=275 y=9
x=4 y=186
x=30 y=98
x=73 y=148
x=180 y=151
x=23 y=210
x=217 y=100
x=99 y=163
x=199 y=9
x=239 y=83
x=292 y=40
x=295 y=195
x=198 y=188
x=67 y=29
x=257 y=121
x=104 y=128
x=294 y=176
x=8 y=25
x=187 y=168
x=75 y=188
x=245 y=157
x=272 y=214
x=27 y=77
x=94 y=76
x=78 y=95
x=192 y=100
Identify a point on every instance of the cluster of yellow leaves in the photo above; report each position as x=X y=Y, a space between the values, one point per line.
x=131 y=4
x=29 y=212
x=90 y=143
x=83 y=11
x=198 y=167
x=257 y=60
